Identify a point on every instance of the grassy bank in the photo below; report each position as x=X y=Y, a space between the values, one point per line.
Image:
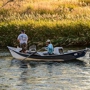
x=65 y=22
x=44 y=9
x=66 y=33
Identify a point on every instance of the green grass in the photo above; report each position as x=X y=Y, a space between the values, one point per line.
x=61 y=33
x=65 y=22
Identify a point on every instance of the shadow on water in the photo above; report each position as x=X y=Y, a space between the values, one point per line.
x=50 y=75
x=18 y=63
x=33 y=64
x=73 y=62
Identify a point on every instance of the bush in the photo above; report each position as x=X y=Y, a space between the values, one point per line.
x=61 y=33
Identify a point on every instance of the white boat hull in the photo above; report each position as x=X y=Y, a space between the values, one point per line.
x=15 y=52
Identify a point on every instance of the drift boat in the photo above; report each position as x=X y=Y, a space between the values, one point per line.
x=58 y=54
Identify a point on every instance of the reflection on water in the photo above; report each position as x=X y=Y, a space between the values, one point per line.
x=17 y=75
x=30 y=75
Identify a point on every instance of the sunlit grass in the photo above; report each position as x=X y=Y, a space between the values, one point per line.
x=85 y=1
x=44 y=9
x=65 y=32
x=62 y=21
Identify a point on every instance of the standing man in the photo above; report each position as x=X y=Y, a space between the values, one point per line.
x=22 y=39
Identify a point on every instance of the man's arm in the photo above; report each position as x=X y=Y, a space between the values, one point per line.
x=18 y=39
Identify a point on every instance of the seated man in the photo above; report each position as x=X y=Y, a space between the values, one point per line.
x=49 y=47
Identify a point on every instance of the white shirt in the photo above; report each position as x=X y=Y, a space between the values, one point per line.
x=23 y=38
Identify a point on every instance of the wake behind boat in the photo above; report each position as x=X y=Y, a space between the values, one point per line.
x=58 y=54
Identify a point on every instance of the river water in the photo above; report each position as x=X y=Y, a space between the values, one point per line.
x=70 y=75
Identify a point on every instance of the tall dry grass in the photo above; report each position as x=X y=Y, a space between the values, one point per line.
x=65 y=22
x=45 y=9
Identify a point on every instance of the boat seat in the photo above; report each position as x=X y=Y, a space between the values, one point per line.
x=18 y=49
x=48 y=54
x=58 y=50
x=32 y=48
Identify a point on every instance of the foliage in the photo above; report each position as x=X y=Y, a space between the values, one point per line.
x=61 y=33
x=65 y=22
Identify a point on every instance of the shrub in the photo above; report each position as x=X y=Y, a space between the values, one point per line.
x=61 y=33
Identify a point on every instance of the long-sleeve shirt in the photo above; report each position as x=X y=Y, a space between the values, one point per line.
x=50 y=48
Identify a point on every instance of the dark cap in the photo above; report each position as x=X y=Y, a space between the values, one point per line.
x=23 y=31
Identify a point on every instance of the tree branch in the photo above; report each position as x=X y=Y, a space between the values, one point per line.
x=6 y=3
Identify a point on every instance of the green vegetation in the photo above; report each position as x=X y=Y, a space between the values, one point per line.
x=65 y=22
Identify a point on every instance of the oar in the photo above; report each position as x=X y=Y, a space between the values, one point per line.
x=31 y=47
x=28 y=56
x=42 y=48
x=33 y=53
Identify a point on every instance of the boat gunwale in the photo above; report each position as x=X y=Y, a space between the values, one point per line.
x=26 y=54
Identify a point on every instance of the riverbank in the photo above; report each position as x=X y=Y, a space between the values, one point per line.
x=65 y=22
x=61 y=33
x=4 y=52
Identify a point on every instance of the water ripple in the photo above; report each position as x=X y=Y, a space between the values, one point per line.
x=70 y=75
